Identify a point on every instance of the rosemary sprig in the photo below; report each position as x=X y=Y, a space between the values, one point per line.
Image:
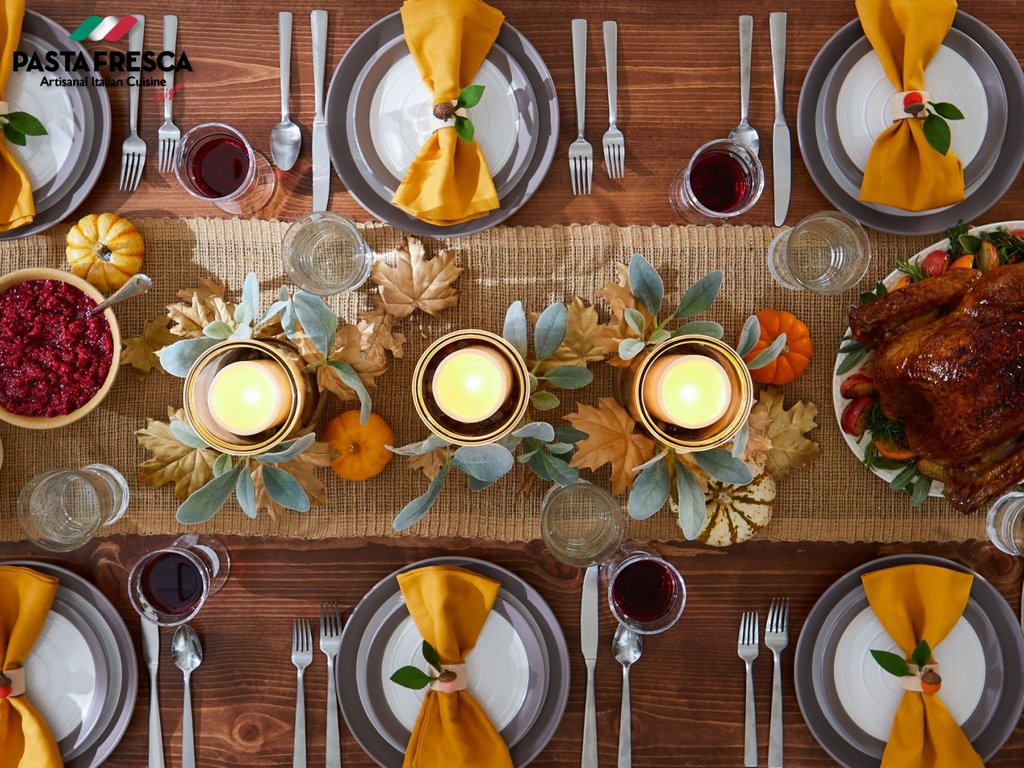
x=956 y=248
x=1009 y=246
x=910 y=268
x=884 y=428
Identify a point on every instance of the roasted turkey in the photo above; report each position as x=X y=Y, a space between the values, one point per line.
x=949 y=366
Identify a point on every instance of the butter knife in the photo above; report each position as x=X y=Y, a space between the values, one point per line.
x=151 y=655
x=321 y=157
x=588 y=642
x=781 y=154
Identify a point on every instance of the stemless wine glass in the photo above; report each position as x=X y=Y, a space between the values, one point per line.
x=581 y=524
x=169 y=586
x=646 y=593
x=323 y=253
x=723 y=179
x=1006 y=523
x=827 y=253
x=214 y=162
x=62 y=509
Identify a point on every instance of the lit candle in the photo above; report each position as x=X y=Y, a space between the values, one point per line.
x=692 y=391
x=250 y=396
x=471 y=384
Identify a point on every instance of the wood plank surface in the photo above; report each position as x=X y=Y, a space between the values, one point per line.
x=687 y=689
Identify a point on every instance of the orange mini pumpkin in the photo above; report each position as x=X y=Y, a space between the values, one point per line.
x=795 y=356
x=363 y=447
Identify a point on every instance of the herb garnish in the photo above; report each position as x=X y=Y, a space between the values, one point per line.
x=18 y=125
x=469 y=97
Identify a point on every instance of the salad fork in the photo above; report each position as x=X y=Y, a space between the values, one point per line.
x=613 y=142
x=330 y=644
x=748 y=652
x=776 y=637
x=169 y=134
x=302 y=657
x=581 y=154
x=133 y=150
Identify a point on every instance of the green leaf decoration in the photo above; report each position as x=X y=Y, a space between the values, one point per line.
x=184 y=433
x=659 y=335
x=515 y=328
x=245 y=492
x=550 y=330
x=351 y=380
x=177 y=359
x=432 y=657
x=251 y=292
x=25 y=123
x=14 y=136
x=412 y=677
x=534 y=382
x=891 y=663
x=749 y=336
x=721 y=465
x=569 y=376
x=739 y=443
x=464 y=128
x=288 y=315
x=218 y=329
x=645 y=284
x=560 y=448
x=418 y=507
x=469 y=97
x=486 y=463
x=536 y=463
x=544 y=401
x=904 y=478
x=970 y=244
x=569 y=434
x=851 y=360
x=701 y=327
x=318 y=321
x=650 y=491
x=539 y=430
x=630 y=348
x=936 y=131
x=423 y=446
x=221 y=464
x=285 y=489
x=276 y=309
x=922 y=654
x=511 y=442
x=919 y=491
x=558 y=470
x=692 y=508
x=245 y=313
x=525 y=456
x=208 y=500
x=700 y=295
x=660 y=456
x=288 y=450
x=773 y=351
x=942 y=108
x=635 y=320
x=242 y=331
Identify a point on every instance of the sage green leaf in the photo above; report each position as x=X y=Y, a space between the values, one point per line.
x=936 y=131
x=569 y=376
x=702 y=328
x=942 y=108
x=469 y=96
x=318 y=321
x=549 y=333
x=569 y=434
x=525 y=456
x=851 y=359
x=221 y=464
x=904 y=478
x=515 y=328
x=970 y=244
x=659 y=456
x=922 y=654
x=739 y=443
x=692 y=508
x=251 y=292
x=288 y=315
x=476 y=485
x=919 y=491
x=659 y=335
x=484 y=462
x=630 y=348
x=208 y=500
x=243 y=331
x=245 y=492
x=275 y=309
x=645 y=284
x=891 y=663
x=773 y=351
x=218 y=329
x=423 y=446
x=536 y=463
x=25 y=123
x=749 y=336
x=464 y=128
x=285 y=489
x=418 y=507
x=511 y=442
x=351 y=380
x=721 y=465
x=700 y=295
x=288 y=450
x=184 y=434
x=14 y=136
x=558 y=469
x=650 y=491
x=177 y=359
x=432 y=657
x=560 y=448
x=539 y=430
x=412 y=677
x=635 y=320
x=544 y=401
x=534 y=382
x=245 y=313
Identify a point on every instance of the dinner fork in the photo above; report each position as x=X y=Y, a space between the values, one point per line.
x=748 y=652
x=614 y=143
x=133 y=150
x=581 y=154
x=169 y=135
x=330 y=644
x=302 y=657
x=776 y=637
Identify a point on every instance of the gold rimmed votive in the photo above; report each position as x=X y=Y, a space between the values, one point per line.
x=691 y=392
x=245 y=396
x=471 y=387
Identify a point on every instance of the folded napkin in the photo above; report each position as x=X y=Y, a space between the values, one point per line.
x=25 y=600
x=450 y=606
x=904 y=171
x=17 y=207
x=915 y=603
x=449 y=181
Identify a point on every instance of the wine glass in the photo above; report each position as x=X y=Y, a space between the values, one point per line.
x=214 y=162
x=723 y=179
x=169 y=586
x=645 y=593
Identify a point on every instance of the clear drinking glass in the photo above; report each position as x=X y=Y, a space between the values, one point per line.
x=215 y=162
x=723 y=179
x=828 y=253
x=581 y=524
x=62 y=509
x=645 y=593
x=323 y=253
x=1006 y=523
x=169 y=586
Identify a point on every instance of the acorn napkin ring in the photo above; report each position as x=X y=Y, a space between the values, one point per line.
x=451 y=680
x=908 y=104
x=12 y=683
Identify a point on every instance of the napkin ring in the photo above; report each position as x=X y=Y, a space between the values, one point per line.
x=908 y=104
x=918 y=677
x=451 y=680
x=12 y=683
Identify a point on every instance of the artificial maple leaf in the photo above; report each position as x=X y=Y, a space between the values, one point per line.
x=378 y=333
x=789 y=448
x=607 y=336
x=611 y=439
x=189 y=319
x=173 y=462
x=303 y=469
x=206 y=289
x=417 y=282
x=578 y=347
x=758 y=444
x=140 y=351
x=429 y=463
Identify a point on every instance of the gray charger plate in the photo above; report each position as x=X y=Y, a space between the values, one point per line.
x=381 y=34
x=1004 y=172
x=534 y=609
x=1007 y=711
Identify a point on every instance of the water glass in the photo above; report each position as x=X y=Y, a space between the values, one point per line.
x=214 y=162
x=581 y=524
x=169 y=586
x=1006 y=523
x=723 y=179
x=323 y=253
x=62 y=509
x=645 y=593
x=827 y=253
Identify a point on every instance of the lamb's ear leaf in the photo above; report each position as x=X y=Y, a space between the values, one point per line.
x=700 y=295
x=208 y=500
x=418 y=507
x=650 y=491
x=645 y=283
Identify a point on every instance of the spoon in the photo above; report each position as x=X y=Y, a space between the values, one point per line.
x=627 y=646
x=136 y=286
x=744 y=133
x=286 y=138
x=187 y=654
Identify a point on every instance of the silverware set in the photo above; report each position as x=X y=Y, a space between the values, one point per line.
x=302 y=657
x=169 y=135
x=321 y=155
x=776 y=639
x=133 y=150
x=151 y=655
x=286 y=138
x=187 y=654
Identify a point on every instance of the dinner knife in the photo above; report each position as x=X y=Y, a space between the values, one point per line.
x=321 y=157
x=588 y=642
x=781 y=153
x=151 y=655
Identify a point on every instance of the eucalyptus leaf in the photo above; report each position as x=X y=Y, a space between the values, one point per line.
x=749 y=336
x=702 y=328
x=423 y=446
x=511 y=442
x=559 y=469
x=768 y=355
x=418 y=507
x=432 y=657
x=177 y=359
x=288 y=450
x=569 y=376
x=721 y=465
x=630 y=348
x=221 y=464
x=652 y=461
x=251 y=292
x=891 y=663
x=650 y=491
x=318 y=321
x=692 y=507
x=476 y=485
x=486 y=463
x=218 y=329
x=635 y=320
x=700 y=295
x=560 y=448
x=412 y=677
x=536 y=463
x=208 y=500
x=525 y=456
x=534 y=382
x=659 y=335
x=515 y=328
x=285 y=489
x=539 y=430
x=739 y=442
x=544 y=401
x=351 y=380
x=646 y=284
x=569 y=434
x=184 y=434
x=550 y=330
x=245 y=492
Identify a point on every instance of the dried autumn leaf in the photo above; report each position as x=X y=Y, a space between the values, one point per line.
x=173 y=462
x=378 y=333
x=347 y=347
x=611 y=439
x=429 y=463
x=789 y=448
x=758 y=444
x=189 y=319
x=303 y=469
x=417 y=282
x=206 y=289
x=578 y=347
x=140 y=351
x=607 y=336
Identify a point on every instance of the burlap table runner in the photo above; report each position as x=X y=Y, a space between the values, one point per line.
x=836 y=500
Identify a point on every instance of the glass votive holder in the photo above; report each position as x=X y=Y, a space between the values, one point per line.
x=323 y=253
x=581 y=524
x=214 y=162
x=827 y=253
x=723 y=179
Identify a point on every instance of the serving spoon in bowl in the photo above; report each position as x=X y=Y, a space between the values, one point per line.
x=136 y=286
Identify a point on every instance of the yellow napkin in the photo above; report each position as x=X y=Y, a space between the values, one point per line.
x=17 y=207
x=449 y=181
x=25 y=600
x=450 y=606
x=915 y=603
x=904 y=171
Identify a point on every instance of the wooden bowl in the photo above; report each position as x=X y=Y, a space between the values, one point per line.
x=52 y=422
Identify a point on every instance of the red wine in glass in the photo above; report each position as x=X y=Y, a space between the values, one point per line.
x=172 y=583
x=220 y=166
x=719 y=181
x=644 y=590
